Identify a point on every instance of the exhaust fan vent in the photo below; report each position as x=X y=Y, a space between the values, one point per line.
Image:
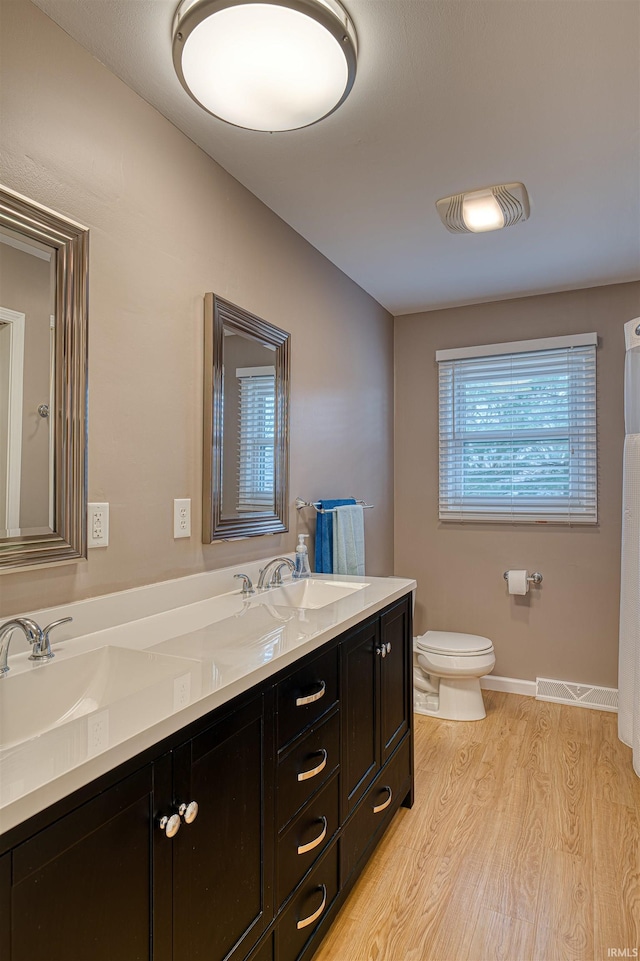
x=476 y=211
x=581 y=695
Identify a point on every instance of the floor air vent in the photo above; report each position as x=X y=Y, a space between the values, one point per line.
x=580 y=695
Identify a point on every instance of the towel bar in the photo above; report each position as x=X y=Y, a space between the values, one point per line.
x=320 y=510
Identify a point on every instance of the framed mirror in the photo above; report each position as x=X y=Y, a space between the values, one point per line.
x=43 y=385
x=246 y=424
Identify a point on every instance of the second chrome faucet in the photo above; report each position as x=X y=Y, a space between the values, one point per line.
x=38 y=637
x=270 y=576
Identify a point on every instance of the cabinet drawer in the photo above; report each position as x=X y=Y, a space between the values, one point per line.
x=308 y=907
x=376 y=808
x=307 y=837
x=307 y=766
x=306 y=695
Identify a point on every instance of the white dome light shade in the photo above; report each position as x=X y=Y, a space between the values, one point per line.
x=265 y=65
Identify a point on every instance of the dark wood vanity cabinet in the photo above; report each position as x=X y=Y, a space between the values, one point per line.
x=81 y=888
x=294 y=782
x=374 y=662
x=106 y=882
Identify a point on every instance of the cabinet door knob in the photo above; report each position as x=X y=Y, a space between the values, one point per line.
x=316 y=914
x=385 y=804
x=382 y=651
x=388 y=646
x=189 y=811
x=170 y=825
x=310 y=698
x=305 y=775
x=303 y=848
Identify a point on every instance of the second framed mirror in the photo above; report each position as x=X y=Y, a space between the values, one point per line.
x=246 y=424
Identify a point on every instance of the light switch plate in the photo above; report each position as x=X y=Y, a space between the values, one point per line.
x=97 y=525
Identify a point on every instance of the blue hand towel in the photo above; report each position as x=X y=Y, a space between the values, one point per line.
x=324 y=535
x=348 y=540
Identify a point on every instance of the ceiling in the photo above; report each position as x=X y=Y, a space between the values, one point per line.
x=450 y=95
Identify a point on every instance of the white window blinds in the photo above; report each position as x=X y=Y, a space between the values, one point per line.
x=256 y=444
x=518 y=432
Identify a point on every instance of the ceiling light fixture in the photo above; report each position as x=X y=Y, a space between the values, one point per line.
x=265 y=64
x=490 y=208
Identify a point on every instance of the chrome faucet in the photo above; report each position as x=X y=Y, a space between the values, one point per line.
x=30 y=629
x=42 y=647
x=270 y=575
x=38 y=637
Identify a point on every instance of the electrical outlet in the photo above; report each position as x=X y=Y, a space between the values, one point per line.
x=97 y=733
x=97 y=525
x=181 y=691
x=182 y=517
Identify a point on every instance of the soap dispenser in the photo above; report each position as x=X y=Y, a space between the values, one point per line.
x=302 y=558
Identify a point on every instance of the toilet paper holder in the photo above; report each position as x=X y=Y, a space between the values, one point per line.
x=535 y=578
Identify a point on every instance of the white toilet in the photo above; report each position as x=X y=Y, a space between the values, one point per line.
x=447 y=668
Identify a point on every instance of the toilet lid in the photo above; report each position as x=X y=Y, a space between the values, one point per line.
x=448 y=642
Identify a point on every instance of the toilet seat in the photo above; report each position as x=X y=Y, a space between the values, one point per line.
x=449 y=642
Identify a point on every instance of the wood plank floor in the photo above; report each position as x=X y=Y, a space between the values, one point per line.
x=523 y=845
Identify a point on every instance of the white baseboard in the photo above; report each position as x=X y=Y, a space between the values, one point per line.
x=509 y=685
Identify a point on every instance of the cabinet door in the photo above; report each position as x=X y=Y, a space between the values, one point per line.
x=395 y=677
x=82 y=888
x=223 y=860
x=5 y=906
x=359 y=707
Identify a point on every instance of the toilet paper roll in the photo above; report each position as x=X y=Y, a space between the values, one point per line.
x=517 y=581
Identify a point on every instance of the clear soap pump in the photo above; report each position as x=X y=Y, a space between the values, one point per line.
x=302 y=558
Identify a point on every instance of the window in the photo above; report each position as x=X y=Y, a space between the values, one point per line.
x=256 y=438
x=518 y=431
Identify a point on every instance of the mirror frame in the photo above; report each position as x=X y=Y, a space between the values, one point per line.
x=68 y=540
x=218 y=314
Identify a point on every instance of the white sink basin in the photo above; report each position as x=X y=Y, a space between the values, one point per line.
x=54 y=694
x=310 y=594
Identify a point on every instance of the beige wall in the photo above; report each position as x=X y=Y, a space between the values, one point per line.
x=568 y=628
x=168 y=224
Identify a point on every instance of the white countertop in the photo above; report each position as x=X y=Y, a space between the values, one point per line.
x=212 y=648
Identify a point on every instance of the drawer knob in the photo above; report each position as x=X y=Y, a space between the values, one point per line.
x=316 y=914
x=305 y=775
x=189 y=811
x=303 y=848
x=170 y=825
x=310 y=698
x=377 y=808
